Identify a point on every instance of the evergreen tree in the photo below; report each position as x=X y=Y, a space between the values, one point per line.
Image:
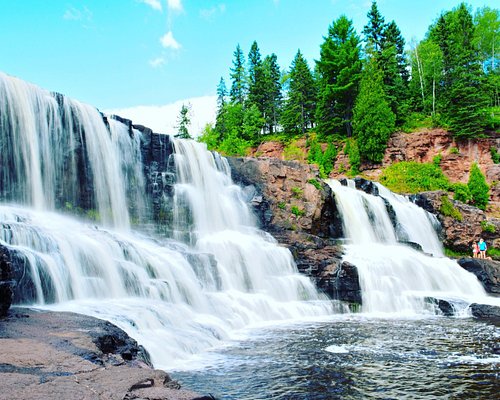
x=374 y=30
x=463 y=78
x=255 y=78
x=392 y=60
x=478 y=187
x=487 y=40
x=272 y=92
x=238 y=77
x=220 y=119
x=373 y=120
x=298 y=113
x=221 y=94
x=339 y=69
x=183 y=122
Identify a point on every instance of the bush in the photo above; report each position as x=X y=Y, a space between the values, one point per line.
x=479 y=189
x=293 y=152
x=448 y=209
x=297 y=192
x=414 y=177
x=488 y=227
x=315 y=183
x=297 y=211
x=494 y=155
x=352 y=151
x=461 y=192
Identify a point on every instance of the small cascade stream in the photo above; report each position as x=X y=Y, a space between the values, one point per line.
x=394 y=277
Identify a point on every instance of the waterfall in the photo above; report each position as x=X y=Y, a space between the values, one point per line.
x=177 y=295
x=394 y=277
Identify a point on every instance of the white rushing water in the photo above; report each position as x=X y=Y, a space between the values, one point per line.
x=176 y=297
x=394 y=277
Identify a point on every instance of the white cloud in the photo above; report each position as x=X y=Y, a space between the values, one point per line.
x=75 y=14
x=210 y=13
x=174 y=5
x=163 y=119
x=157 y=62
x=154 y=4
x=168 y=41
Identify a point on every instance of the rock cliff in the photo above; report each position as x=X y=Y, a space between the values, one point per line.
x=297 y=208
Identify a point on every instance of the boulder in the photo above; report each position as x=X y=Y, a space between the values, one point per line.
x=486 y=271
x=486 y=312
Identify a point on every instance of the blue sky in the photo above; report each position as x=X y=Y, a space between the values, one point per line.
x=123 y=53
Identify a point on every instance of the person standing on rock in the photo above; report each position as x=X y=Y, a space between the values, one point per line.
x=482 y=248
x=475 y=249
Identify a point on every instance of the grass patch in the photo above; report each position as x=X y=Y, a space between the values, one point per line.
x=297 y=192
x=455 y=254
x=414 y=177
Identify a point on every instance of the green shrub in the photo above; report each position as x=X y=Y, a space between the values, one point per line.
x=293 y=152
x=437 y=160
x=233 y=145
x=488 y=227
x=281 y=205
x=461 y=192
x=414 y=177
x=352 y=151
x=479 y=189
x=494 y=155
x=315 y=183
x=448 y=209
x=297 y=211
x=454 y=150
x=297 y=192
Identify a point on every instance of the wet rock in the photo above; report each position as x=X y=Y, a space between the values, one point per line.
x=6 y=282
x=486 y=312
x=345 y=285
x=486 y=271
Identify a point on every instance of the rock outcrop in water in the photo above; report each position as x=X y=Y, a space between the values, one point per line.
x=486 y=271
x=48 y=355
x=297 y=208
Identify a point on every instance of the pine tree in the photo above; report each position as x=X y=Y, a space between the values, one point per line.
x=255 y=78
x=374 y=30
x=478 y=187
x=392 y=60
x=239 y=78
x=339 y=69
x=220 y=119
x=298 y=113
x=373 y=120
x=183 y=122
x=463 y=78
x=272 y=92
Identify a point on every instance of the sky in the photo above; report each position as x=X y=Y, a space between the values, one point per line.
x=143 y=59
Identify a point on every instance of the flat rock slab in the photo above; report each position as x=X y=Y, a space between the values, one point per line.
x=49 y=355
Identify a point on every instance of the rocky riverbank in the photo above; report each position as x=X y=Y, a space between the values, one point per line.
x=48 y=355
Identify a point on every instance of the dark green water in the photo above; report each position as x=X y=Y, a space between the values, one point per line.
x=357 y=358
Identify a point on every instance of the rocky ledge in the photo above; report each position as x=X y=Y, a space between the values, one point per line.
x=48 y=355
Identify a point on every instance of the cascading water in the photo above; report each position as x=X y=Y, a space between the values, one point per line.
x=395 y=278
x=177 y=298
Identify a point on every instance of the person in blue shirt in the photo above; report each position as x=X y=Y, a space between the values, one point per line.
x=482 y=248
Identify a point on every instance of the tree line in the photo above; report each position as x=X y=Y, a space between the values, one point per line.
x=363 y=88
